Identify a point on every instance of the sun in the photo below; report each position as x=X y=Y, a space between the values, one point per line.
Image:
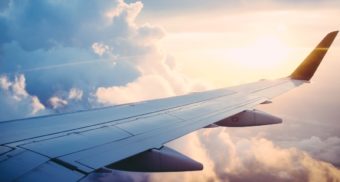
x=266 y=51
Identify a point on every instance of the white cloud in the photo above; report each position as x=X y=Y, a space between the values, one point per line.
x=57 y=102
x=157 y=81
x=103 y=53
x=254 y=159
x=260 y=158
x=75 y=94
x=78 y=56
x=36 y=105
x=158 y=78
x=226 y=158
x=145 y=87
x=16 y=102
x=132 y=10
x=327 y=149
x=100 y=48
x=5 y=83
x=18 y=87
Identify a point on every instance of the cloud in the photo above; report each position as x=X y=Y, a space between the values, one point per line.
x=57 y=102
x=327 y=149
x=141 y=89
x=257 y=158
x=227 y=158
x=75 y=94
x=159 y=78
x=100 y=48
x=36 y=105
x=16 y=101
x=101 y=52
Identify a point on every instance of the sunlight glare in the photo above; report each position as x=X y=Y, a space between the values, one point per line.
x=267 y=51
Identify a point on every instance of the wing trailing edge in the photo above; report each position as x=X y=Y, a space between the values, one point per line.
x=307 y=68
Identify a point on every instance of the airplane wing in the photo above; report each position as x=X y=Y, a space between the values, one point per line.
x=132 y=136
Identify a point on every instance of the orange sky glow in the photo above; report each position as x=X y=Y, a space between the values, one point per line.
x=258 y=44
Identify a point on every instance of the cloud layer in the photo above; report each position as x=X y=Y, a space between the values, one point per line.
x=228 y=158
x=72 y=59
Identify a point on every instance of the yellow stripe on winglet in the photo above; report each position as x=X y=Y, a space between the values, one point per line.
x=307 y=68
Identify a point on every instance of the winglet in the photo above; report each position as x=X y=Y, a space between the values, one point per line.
x=307 y=68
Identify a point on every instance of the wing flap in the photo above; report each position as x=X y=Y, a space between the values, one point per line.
x=18 y=162
x=50 y=171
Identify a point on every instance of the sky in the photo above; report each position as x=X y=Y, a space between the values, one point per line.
x=61 y=56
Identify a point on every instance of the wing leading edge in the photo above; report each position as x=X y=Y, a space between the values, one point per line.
x=71 y=146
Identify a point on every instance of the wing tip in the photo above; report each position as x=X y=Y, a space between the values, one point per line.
x=307 y=68
x=334 y=32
